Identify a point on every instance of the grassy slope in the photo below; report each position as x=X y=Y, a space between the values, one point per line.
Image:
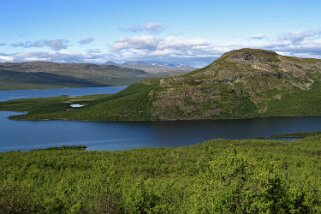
x=130 y=103
x=53 y=104
x=255 y=176
x=300 y=103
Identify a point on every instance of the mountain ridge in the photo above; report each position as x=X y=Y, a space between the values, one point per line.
x=155 y=67
x=12 y=80
x=95 y=74
x=24 y=75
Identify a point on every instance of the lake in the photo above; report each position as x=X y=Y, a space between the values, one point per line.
x=26 y=135
x=19 y=94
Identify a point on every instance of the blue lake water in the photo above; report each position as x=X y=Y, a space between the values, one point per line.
x=26 y=135
x=18 y=94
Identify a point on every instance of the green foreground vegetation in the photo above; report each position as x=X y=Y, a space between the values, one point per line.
x=219 y=176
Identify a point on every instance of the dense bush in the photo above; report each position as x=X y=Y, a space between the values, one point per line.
x=248 y=176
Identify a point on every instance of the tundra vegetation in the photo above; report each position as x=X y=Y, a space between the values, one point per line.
x=219 y=176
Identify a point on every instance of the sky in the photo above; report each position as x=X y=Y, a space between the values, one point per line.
x=190 y=32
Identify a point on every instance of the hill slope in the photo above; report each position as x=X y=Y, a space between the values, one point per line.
x=25 y=75
x=241 y=84
x=11 y=80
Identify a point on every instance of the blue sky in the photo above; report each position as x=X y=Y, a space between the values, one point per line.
x=170 y=30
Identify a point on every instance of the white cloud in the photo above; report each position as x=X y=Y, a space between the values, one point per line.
x=179 y=49
x=299 y=37
x=86 y=41
x=303 y=44
x=64 y=57
x=151 y=27
x=5 y=58
x=176 y=47
x=154 y=27
x=258 y=36
x=56 y=44
x=137 y=42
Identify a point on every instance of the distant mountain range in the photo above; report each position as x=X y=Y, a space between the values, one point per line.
x=38 y=74
x=13 y=80
x=155 y=67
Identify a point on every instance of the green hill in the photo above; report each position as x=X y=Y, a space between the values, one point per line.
x=241 y=84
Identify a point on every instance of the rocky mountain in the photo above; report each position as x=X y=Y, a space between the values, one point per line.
x=241 y=83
